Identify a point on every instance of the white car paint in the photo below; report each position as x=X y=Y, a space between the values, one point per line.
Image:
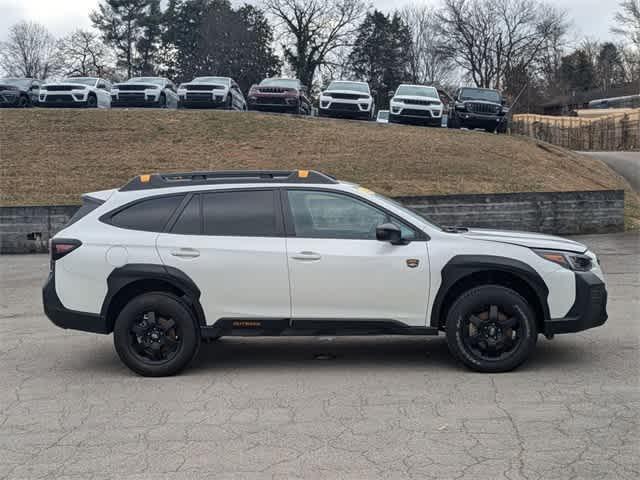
x=291 y=277
x=76 y=91
x=153 y=89
x=425 y=99
x=343 y=97
x=212 y=91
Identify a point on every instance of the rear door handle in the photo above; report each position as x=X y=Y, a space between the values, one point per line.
x=308 y=256
x=185 y=253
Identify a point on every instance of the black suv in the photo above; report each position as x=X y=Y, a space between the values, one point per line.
x=478 y=108
x=19 y=92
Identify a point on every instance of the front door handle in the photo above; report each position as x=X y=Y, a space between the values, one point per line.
x=185 y=253
x=308 y=256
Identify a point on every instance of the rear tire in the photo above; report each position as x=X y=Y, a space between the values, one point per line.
x=491 y=329
x=155 y=335
x=24 y=102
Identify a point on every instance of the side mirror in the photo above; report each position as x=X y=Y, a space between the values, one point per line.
x=388 y=232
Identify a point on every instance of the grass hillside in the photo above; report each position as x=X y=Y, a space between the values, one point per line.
x=52 y=156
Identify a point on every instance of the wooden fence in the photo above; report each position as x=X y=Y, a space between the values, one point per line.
x=619 y=131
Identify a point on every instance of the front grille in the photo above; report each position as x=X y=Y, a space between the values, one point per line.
x=344 y=96
x=416 y=113
x=204 y=87
x=351 y=107
x=60 y=88
x=271 y=100
x=199 y=96
x=419 y=102
x=132 y=88
x=272 y=90
x=130 y=96
x=482 y=107
x=59 y=98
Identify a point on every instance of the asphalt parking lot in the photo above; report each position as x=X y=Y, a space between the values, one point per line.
x=368 y=408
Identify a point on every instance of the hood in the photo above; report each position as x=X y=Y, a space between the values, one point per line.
x=416 y=97
x=148 y=85
x=205 y=84
x=347 y=92
x=525 y=239
x=67 y=84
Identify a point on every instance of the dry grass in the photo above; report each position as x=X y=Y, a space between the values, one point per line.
x=52 y=156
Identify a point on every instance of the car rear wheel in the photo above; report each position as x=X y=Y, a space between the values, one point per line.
x=155 y=335
x=491 y=329
x=24 y=102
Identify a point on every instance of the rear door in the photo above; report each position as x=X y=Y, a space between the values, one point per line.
x=231 y=243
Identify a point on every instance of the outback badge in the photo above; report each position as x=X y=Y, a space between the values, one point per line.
x=412 y=262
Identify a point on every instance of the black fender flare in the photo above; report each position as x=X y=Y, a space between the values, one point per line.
x=462 y=266
x=122 y=277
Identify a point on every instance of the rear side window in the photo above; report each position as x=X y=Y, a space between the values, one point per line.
x=148 y=215
x=189 y=222
x=247 y=213
x=88 y=205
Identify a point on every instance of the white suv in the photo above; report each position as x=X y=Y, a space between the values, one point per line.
x=169 y=260
x=416 y=104
x=90 y=92
x=347 y=99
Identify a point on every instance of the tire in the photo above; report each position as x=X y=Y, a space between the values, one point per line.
x=162 y=101
x=155 y=335
x=24 y=102
x=487 y=319
x=92 y=101
x=228 y=103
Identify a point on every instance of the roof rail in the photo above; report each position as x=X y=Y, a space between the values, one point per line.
x=161 y=180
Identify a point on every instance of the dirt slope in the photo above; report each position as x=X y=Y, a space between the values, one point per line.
x=52 y=156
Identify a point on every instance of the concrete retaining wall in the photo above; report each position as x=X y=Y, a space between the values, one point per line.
x=28 y=229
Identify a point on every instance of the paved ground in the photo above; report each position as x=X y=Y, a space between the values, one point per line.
x=626 y=164
x=388 y=408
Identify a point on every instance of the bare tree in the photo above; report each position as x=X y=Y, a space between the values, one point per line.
x=627 y=21
x=428 y=62
x=311 y=30
x=489 y=38
x=30 y=51
x=82 y=53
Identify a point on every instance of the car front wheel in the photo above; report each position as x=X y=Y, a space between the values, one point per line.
x=491 y=328
x=155 y=335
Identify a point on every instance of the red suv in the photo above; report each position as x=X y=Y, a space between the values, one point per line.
x=280 y=95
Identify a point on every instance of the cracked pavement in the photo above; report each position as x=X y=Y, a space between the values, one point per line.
x=380 y=407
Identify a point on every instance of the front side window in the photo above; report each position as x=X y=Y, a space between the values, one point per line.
x=250 y=213
x=319 y=214
x=148 y=215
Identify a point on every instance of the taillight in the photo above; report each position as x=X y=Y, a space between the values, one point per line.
x=59 y=247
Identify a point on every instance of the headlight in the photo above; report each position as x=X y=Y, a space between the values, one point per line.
x=569 y=260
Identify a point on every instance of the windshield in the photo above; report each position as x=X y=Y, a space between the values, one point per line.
x=154 y=80
x=280 y=82
x=222 y=80
x=82 y=80
x=17 y=82
x=418 y=91
x=355 y=86
x=480 y=94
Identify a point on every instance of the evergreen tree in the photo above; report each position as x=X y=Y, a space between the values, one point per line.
x=577 y=71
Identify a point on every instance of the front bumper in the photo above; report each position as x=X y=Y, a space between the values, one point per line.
x=412 y=115
x=589 y=309
x=64 y=99
x=273 y=103
x=135 y=99
x=69 y=319
x=201 y=99
x=345 y=108
x=478 y=120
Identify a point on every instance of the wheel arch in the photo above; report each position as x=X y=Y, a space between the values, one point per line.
x=125 y=283
x=464 y=272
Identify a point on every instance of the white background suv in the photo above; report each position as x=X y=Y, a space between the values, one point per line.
x=211 y=92
x=88 y=92
x=416 y=104
x=168 y=260
x=145 y=92
x=347 y=99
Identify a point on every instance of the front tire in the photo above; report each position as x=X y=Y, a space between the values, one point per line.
x=491 y=329
x=24 y=102
x=92 y=101
x=155 y=335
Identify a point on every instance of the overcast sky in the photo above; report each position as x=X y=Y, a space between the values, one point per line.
x=591 y=18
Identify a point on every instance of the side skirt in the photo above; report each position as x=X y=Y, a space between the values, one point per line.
x=309 y=327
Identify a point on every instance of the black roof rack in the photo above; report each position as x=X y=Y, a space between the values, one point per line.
x=161 y=180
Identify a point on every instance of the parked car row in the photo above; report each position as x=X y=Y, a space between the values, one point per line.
x=415 y=104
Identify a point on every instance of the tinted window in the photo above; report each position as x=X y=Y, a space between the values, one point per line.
x=248 y=213
x=190 y=221
x=88 y=206
x=149 y=215
x=330 y=215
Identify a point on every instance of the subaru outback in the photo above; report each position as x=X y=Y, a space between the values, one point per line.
x=170 y=260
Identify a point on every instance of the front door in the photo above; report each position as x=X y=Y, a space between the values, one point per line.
x=231 y=243
x=338 y=269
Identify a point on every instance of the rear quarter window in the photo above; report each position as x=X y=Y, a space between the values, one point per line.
x=88 y=205
x=149 y=215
